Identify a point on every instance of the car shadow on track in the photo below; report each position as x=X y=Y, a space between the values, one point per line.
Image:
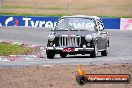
x=78 y=56
x=81 y=56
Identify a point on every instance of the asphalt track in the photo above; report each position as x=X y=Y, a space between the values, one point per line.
x=120 y=50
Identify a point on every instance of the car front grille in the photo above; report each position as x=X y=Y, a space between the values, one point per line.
x=66 y=40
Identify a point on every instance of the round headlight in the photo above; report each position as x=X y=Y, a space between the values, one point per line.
x=88 y=38
x=51 y=37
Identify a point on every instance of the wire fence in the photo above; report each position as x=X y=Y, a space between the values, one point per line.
x=33 y=7
x=66 y=7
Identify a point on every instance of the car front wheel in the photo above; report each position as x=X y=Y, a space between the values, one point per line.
x=63 y=55
x=50 y=54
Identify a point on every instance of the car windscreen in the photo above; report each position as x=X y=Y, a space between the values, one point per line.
x=76 y=24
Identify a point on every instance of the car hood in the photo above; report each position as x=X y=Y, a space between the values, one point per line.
x=79 y=33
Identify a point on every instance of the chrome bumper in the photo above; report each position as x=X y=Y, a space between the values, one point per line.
x=76 y=49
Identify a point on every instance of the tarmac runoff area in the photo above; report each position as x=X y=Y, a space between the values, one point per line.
x=120 y=50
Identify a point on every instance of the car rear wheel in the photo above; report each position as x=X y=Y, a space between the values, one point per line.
x=50 y=54
x=63 y=55
x=105 y=52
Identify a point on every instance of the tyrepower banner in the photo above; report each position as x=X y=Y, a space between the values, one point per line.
x=126 y=24
x=28 y=21
x=48 y=22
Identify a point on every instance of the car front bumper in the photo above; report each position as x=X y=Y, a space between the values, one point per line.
x=62 y=49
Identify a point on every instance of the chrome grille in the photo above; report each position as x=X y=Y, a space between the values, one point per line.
x=73 y=40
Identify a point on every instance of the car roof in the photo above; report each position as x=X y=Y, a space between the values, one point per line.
x=82 y=16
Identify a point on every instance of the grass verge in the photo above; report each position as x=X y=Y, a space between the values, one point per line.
x=50 y=15
x=9 y=49
x=19 y=14
x=29 y=7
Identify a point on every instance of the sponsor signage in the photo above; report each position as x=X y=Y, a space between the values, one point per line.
x=126 y=24
x=111 y=23
x=48 y=22
x=28 y=21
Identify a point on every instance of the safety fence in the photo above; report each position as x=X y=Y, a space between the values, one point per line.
x=50 y=22
x=67 y=7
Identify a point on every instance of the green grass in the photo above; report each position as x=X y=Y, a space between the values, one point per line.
x=30 y=7
x=53 y=8
x=17 y=14
x=103 y=8
x=17 y=7
x=9 y=49
x=116 y=16
x=50 y=15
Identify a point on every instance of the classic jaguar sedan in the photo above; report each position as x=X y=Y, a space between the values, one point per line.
x=78 y=34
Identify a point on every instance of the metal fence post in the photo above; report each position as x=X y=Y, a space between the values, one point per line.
x=35 y=3
x=2 y=6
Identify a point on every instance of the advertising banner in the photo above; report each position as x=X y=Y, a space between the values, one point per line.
x=111 y=23
x=48 y=22
x=28 y=21
x=126 y=24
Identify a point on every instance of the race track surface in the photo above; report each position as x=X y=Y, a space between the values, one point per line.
x=120 y=50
